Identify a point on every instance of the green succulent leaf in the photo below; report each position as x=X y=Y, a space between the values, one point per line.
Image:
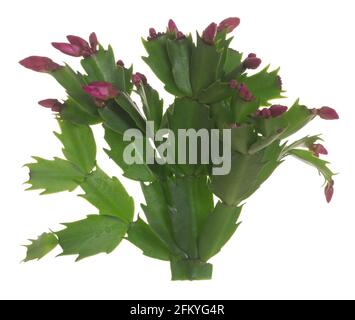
x=108 y=195
x=217 y=230
x=90 y=236
x=142 y=236
x=135 y=171
x=204 y=65
x=158 y=61
x=179 y=52
x=54 y=175
x=264 y=85
x=232 y=65
x=191 y=203
x=80 y=102
x=264 y=142
x=309 y=158
x=102 y=66
x=157 y=213
x=79 y=144
x=152 y=104
x=41 y=246
x=237 y=184
x=116 y=118
x=216 y=92
x=242 y=138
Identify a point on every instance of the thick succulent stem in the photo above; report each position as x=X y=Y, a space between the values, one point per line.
x=190 y=269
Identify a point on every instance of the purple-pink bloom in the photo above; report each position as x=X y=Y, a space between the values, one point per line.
x=82 y=44
x=244 y=92
x=318 y=149
x=209 y=34
x=251 y=62
x=93 y=42
x=67 y=48
x=172 y=26
x=52 y=104
x=138 y=79
x=40 y=64
x=101 y=90
x=327 y=113
x=120 y=63
x=230 y=24
x=265 y=113
x=329 y=190
x=277 y=110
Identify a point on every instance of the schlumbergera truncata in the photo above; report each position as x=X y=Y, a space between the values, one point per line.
x=189 y=212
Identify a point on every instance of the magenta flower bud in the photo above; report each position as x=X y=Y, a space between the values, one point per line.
x=52 y=104
x=277 y=110
x=66 y=48
x=244 y=92
x=230 y=24
x=84 y=46
x=152 y=34
x=327 y=113
x=120 y=63
x=265 y=113
x=172 y=26
x=329 y=191
x=93 y=42
x=138 y=79
x=251 y=62
x=101 y=90
x=209 y=34
x=318 y=149
x=233 y=84
x=40 y=64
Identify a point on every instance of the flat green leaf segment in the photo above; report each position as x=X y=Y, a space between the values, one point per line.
x=264 y=85
x=108 y=195
x=309 y=158
x=41 y=246
x=79 y=145
x=142 y=236
x=218 y=229
x=54 y=175
x=135 y=171
x=93 y=235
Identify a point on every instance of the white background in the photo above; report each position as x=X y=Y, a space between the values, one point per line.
x=291 y=244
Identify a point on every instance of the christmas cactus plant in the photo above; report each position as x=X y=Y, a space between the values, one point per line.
x=191 y=210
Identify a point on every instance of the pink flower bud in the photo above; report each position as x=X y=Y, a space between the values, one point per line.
x=327 y=113
x=265 y=113
x=318 y=149
x=233 y=84
x=138 y=79
x=69 y=49
x=120 y=63
x=251 y=62
x=52 y=104
x=244 y=92
x=93 y=42
x=230 y=24
x=81 y=43
x=329 y=190
x=172 y=26
x=101 y=90
x=152 y=34
x=209 y=34
x=40 y=64
x=277 y=110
